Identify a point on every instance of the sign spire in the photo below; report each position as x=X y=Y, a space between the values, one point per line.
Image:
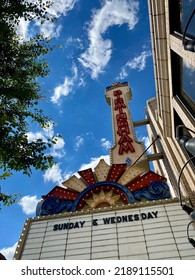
x=126 y=147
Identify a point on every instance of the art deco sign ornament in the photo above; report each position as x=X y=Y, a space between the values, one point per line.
x=121 y=182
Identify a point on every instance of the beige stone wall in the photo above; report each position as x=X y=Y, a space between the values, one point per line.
x=161 y=109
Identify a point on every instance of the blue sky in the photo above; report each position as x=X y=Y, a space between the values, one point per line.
x=102 y=41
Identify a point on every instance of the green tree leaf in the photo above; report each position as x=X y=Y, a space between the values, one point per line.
x=21 y=64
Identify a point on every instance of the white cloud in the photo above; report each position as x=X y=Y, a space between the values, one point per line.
x=53 y=174
x=79 y=140
x=23 y=29
x=61 y=7
x=94 y=161
x=76 y=42
x=189 y=68
x=49 y=29
x=9 y=252
x=137 y=63
x=114 y=12
x=59 y=144
x=146 y=142
x=49 y=130
x=67 y=175
x=123 y=74
x=33 y=136
x=28 y=204
x=106 y=144
x=67 y=87
x=57 y=149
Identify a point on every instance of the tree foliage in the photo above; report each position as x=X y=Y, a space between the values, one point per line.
x=21 y=64
x=13 y=10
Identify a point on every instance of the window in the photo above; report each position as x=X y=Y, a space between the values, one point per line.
x=188 y=83
x=181 y=132
x=183 y=73
x=183 y=80
x=187 y=9
x=180 y=12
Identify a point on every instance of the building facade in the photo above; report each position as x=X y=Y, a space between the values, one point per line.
x=171 y=114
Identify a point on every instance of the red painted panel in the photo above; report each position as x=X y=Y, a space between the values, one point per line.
x=62 y=193
x=115 y=172
x=144 y=181
x=88 y=176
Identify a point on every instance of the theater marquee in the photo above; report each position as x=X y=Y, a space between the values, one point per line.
x=107 y=220
x=144 y=232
